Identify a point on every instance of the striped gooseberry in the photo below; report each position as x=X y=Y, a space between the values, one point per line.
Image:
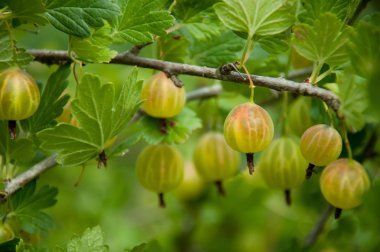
x=248 y=128
x=320 y=145
x=298 y=119
x=214 y=160
x=282 y=165
x=19 y=97
x=343 y=183
x=192 y=185
x=161 y=97
x=160 y=169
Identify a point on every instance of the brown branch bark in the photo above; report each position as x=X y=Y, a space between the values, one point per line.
x=279 y=84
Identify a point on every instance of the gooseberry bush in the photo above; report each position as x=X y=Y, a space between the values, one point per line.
x=103 y=102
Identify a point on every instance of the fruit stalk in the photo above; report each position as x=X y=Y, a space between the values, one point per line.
x=338 y=213
x=219 y=186
x=288 y=197
x=250 y=162
x=12 y=129
x=309 y=171
x=161 y=200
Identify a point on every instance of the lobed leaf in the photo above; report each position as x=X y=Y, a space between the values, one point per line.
x=102 y=111
x=77 y=17
x=140 y=20
x=91 y=240
x=324 y=42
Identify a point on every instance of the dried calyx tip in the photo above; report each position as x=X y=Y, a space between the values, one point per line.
x=338 y=213
x=250 y=163
x=161 y=200
x=288 y=198
x=102 y=159
x=12 y=129
x=219 y=186
x=309 y=170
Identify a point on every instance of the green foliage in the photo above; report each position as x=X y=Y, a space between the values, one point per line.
x=102 y=111
x=324 y=42
x=352 y=93
x=26 y=206
x=77 y=17
x=152 y=246
x=173 y=48
x=140 y=20
x=10 y=54
x=32 y=13
x=98 y=42
x=91 y=240
x=256 y=17
x=217 y=51
x=52 y=102
x=171 y=130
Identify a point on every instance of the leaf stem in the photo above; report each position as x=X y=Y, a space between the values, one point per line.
x=247 y=49
x=346 y=140
x=251 y=85
x=323 y=75
x=314 y=75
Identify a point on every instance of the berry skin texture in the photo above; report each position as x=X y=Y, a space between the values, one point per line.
x=343 y=183
x=19 y=95
x=214 y=159
x=248 y=128
x=282 y=165
x=321 y=144
x=160 y=168
x=161 y=98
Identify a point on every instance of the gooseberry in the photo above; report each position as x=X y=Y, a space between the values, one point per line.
x=160 y=169
x=298 y=118
x=192 y=185
x=19 y=97
x=248 y=128
x=215 y=160
x=343 y=183
x=282 y=165
x=320 y=145
x=161 y=97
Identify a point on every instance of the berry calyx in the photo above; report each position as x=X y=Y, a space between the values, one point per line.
x=248 y=128
x=343 y=183
x=214 y=160
x=282 y=165
x=160 y=169
x=161 y=97
x=320 y=145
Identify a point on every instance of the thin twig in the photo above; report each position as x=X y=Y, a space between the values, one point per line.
x=22 y=179
x=279 y=84
x=312 y=237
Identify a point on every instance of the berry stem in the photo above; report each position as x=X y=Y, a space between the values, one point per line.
x=328 y=113
x=102 y=159
x=12 y=129
x=309 y=171
x=219 y=186
x=338 y=213
x=251 y=85
x=288 y=198
x=250 y=162
x=161 y=200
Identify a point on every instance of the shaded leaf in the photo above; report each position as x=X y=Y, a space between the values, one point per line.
x=91 y=240
x=170 y=130
x=173 y=48
x=52 y=102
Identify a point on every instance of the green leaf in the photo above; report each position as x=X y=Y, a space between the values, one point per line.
x=52 y=102
x=354 y=100
x=173 y=130
x=220 y=50
x=256 y=17
x=102 y=111
x=313 y=9
x=94 y=49
x=21 y=150
x=27 y=205
x=274 y=44
x=10 y=54
x=324 y=42
x=198 y=18
x=33 y=12
x=152 y=246
x=173 y=48
x=91 y=240
x=364 y=48
x=140 y=20
x=77 y=17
